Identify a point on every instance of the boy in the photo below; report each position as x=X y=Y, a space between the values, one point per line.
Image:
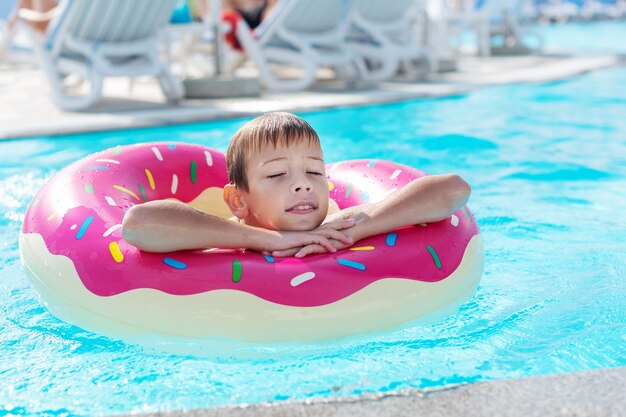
x=278 y=194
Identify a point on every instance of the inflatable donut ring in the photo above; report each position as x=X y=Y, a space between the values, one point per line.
x=88 y=275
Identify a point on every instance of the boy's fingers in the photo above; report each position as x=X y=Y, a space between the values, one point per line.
x=285 y=252
x=309 y=250
x=337 y=235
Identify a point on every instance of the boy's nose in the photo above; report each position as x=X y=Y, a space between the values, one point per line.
x=301 y=185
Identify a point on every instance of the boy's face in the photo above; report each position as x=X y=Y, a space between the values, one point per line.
x=288 y=189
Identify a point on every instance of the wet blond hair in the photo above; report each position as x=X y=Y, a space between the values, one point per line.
x=278 y=128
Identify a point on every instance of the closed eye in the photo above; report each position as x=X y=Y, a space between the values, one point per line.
x=275 y=175
x=314 y=173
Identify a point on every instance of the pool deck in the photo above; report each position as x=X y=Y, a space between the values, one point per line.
x=26 y=108
x=585 y=394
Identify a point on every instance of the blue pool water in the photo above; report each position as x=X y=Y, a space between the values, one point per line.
x=547 y=166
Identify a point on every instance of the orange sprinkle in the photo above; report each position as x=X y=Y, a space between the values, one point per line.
x=116 y=253
x=363 y=248
x=150 y=178
x=127 y=191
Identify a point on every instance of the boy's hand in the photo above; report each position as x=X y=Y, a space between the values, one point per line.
x=326 y=238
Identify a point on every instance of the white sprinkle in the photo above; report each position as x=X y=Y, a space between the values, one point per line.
x=423 y=224
x=454 y=220
x=157 y=153
x=395 y=174
x=111 y=230
x=209 y=158
x=74 y=226
x=113 y=161
x=392 y=190
x=174 y=183
x=110 y=200
x=295 y=281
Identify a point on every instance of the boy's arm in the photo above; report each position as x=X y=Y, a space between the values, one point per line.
x=424 y=200
x=169 y=225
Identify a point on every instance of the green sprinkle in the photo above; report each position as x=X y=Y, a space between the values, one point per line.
x=117 y=150
x=143 y=192
x=349 y=190
x=236 y=271
x=464 y=210
x=89 y=189
x=193 y=171
x=435 y=256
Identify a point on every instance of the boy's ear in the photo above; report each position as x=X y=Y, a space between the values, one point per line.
x=232 y=198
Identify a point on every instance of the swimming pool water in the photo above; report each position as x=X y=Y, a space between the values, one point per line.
x=547 y=166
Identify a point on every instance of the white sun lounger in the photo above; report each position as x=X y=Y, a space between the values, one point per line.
x=94 y=39
x=383 y=34
x=300 y=33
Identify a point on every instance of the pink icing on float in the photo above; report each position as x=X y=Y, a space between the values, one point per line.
x=88 y=275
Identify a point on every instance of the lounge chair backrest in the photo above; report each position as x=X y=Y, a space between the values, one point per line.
x=382 y=11
x=304 y=17
x=109 y=21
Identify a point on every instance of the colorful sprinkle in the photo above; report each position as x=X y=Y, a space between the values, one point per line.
x=88 y=188
x=193 y=168
x=127 y=191
x=52 y=216
x=111 y=161
x=395 y=174
x=96 y=168
x=363 y=248
x=73 y=227
x=111 y=230
x=391 y=238
x=143 y=192
x=174 y=263
x=331 y=186
x=435 y=256
x=172 y=146
x=351 y=264
x=110 y=200
x=84 y=227
x=454 y=220
x=117 y=150
x=116 y=253
x=269 y=258
x=236 y=271
x=150 y=178
x=349 y=190
x=364 y=197
x=302 y=278
x=209 y=158
x=157 y=153
x=371 y=163
x=174 y=183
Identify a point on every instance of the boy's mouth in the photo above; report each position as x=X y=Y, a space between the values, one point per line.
x=302 y=207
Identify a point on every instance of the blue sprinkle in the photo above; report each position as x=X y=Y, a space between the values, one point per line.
x=269 y=258
x=351 y=264
x=96 y=168
x=365 y=197
x=83 y=227
x=371 y=163
x=391 y=238
x=172 y=146
x=174 y=263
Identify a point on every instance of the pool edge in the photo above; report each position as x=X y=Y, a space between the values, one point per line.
x=587 y=393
